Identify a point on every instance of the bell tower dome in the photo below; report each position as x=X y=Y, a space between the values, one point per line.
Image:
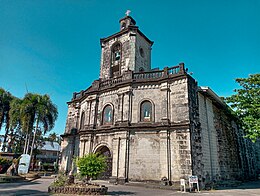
x=128 y=49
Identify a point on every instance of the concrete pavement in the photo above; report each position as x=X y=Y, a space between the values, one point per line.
x=39 y=187
x=246 y=189
x=36 y=187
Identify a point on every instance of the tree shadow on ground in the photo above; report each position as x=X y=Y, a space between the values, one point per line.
x=20 y=192
x=16 y=184
x=120 y=193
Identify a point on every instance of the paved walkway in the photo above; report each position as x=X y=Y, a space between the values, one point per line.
x=39 y=187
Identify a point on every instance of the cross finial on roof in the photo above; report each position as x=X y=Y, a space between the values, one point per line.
x=128 y=12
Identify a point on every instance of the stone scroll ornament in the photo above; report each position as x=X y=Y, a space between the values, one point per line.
x=24 y=164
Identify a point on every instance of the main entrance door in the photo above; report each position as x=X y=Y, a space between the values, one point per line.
x=106 y=152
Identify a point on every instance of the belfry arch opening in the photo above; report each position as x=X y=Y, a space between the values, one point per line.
x=116 y=59
x=104 y=150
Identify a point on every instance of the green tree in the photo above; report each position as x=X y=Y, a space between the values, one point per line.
x=5 y=100
x=44 y=113
x=16 y=135
x=33 y=112
x=27 y=117
x=246 y=105
x=15 y=113
x=53 y=137
x=91 y=165
x=23 y=116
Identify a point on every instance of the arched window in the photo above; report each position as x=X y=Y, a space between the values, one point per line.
x=82 y=120
x=107 y=115
x=115 y=59
x=123 y=25
x=146 y=111
x=116 y=51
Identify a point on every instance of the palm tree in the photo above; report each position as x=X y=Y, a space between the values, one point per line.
x=5 y=99
x=27 y=116
x=15 y=113
x=45 y=114
x=34 y=111
x=18 y=124
x=53 y=137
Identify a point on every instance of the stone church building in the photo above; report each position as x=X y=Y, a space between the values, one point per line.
x=150 y=123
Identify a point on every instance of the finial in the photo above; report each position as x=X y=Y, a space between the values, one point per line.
x=128 y=12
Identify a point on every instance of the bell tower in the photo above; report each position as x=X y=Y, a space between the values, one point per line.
x=128 y=49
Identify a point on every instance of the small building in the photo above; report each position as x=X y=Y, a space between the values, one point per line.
x=49 y=153
x=153 y=124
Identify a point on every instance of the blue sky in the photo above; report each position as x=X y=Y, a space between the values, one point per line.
x=52 y=46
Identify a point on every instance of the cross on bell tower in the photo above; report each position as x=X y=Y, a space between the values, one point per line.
x=128 y=12
x=126 y=21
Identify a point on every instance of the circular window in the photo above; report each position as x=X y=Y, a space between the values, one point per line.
x=141 y=50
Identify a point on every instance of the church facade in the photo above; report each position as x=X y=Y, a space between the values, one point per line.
x=153 y=124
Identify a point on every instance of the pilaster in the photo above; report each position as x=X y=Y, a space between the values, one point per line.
x=119 y=159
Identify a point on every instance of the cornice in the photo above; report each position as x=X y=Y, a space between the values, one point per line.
x=137 y=127
x=127 y=30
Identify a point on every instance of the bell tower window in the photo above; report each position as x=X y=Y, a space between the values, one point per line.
x=116 y=52
x=116 y=57
x=123 y=26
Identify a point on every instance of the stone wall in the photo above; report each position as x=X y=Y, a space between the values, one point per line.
x=195 y=130
x=226 y=154
x=144 y=156
x=142 y=61
x=208 y=138
x=179 y=99
x=180 y=150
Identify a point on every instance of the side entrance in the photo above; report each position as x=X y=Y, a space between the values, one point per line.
x=104 y=150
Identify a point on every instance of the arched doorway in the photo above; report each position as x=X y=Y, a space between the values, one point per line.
x=106 y=152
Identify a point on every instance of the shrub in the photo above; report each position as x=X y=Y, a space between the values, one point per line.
x=60 y=180
x=4 y=164
x=91 y=165
x=4 y=161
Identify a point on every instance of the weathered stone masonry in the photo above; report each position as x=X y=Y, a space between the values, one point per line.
x=152 y=124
